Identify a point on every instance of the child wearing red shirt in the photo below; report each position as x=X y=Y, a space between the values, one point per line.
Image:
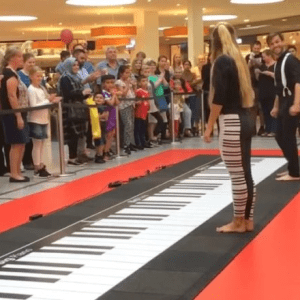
x=141 y=112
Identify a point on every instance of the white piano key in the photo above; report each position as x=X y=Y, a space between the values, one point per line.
x=50 y=294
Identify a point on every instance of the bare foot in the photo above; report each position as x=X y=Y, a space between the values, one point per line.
x=282 y=173
x=287 y=178
x=249 y=225
x=234 y=226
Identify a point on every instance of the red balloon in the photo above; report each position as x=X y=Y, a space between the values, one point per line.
x=66 y=36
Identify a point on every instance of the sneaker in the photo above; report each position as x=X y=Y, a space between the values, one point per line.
x=126 y=151
x=140 y=147
x=43 y=173
x=133 y=147
x=99 y=159
x=76 y=162
x=108 y=156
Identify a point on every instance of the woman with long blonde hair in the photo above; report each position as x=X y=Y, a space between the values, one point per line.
x=231 y=98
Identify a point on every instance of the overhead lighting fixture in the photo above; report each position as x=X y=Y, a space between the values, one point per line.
x=255 y=1
x=253 y=27
x=218 y=17
x=17 y=18
x=284 y=20
x=239 y=41
x=99 y=2
x=246 y=20
x=186 y=18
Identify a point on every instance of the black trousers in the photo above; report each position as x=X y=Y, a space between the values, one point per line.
x=286 y=135
x=160 y=123
x=140 y=132
x=27 y=159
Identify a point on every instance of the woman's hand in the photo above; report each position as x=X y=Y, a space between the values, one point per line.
x=274 y=112
x=20 y=122
x=207 y=135
x=86 y=92
x=294 y=110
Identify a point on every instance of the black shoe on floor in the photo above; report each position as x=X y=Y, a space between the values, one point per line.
x=126 y=151
x=14 y=180
x=133 y=147
x=99 y=159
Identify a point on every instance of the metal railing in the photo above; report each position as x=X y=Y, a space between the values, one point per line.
x=60 y=132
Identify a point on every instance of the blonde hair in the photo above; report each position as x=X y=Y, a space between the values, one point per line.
x=9 y=54
x=224 y=42
x=133 y=69
x=34 y=70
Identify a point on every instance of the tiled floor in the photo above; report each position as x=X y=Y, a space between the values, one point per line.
x=9 y=191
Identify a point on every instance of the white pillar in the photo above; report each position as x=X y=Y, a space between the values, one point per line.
x=147 y=39
x=195 y=30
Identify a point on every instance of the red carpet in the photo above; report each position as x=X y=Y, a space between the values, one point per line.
x=268 y=268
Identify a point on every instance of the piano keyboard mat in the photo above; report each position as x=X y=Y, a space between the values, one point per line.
x=159 y=244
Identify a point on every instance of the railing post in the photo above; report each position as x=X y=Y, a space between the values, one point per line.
x=172 y=117
x=202 y=113
x=118 y=133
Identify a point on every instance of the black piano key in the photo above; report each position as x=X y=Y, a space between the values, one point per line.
x=33 y=279
x=117 y=232
x=128 y=218
x=143 y=215
x=147 y=207
x=84 y=246
x=118 y=227
x=70 y=252
x=23 y=270
x=155 y=204
x=96 y=236
x=14 y=296
x=75 y=266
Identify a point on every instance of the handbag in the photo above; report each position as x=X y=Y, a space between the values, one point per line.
x=77 y=113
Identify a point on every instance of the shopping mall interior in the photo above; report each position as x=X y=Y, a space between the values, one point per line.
x=143 y=226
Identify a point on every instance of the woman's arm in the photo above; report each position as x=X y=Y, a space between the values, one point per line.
x=213 y=116
x=12 y=87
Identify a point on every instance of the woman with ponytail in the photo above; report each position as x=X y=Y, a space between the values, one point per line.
x=231 y=97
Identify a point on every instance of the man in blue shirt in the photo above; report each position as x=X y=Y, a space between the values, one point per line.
x=110 y=65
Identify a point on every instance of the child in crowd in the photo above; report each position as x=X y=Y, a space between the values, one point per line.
x=179 y=101
x=110 y=95
x=39 y=119
x=103 y=117
x=141 y=112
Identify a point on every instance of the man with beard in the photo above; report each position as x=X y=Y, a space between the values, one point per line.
x=287 y=104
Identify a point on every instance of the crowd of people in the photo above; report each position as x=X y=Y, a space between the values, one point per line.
x=138 y=92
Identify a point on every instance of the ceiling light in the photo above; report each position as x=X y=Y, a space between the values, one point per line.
x=294 y=42
x=284 y=20
x=218 y=17
x=246 y=20
x=149 y=0
x=253 y=27
x=186 y=18
x=178 y=4
x=59 y=23
x=163 y=28
x=17 y=18
x=99 y=2
x=239 y=41
x=255 y=1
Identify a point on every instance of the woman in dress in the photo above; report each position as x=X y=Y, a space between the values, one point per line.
x=14 y=96
x=232 y=97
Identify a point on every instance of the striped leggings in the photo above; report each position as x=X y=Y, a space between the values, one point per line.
x=235 y=146
x=127 y=119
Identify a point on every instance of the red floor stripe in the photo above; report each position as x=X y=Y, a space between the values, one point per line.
x=17 y=212
x=268 y=268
